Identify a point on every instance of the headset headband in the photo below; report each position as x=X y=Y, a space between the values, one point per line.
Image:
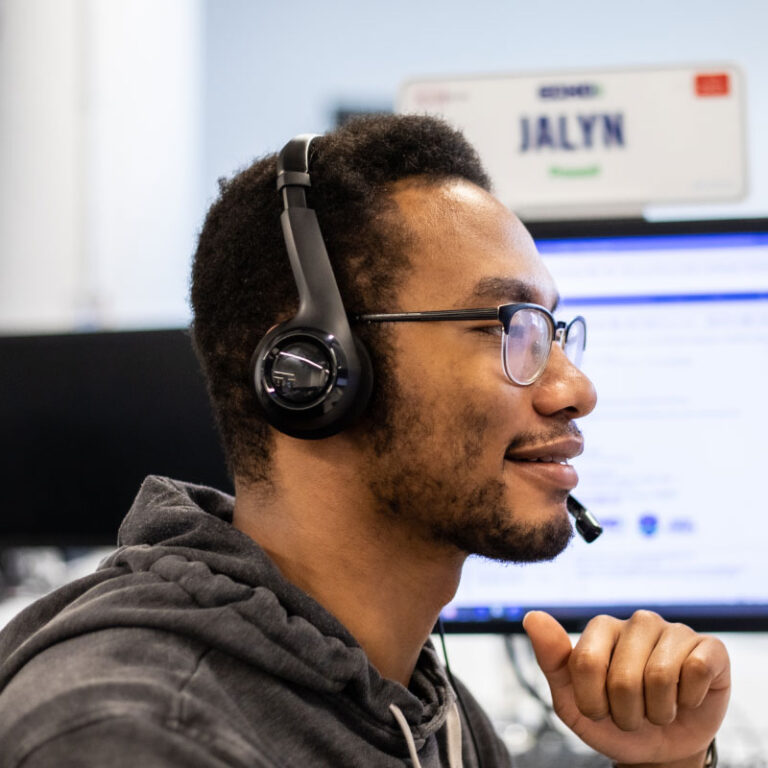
x=312 y=377
x=320 y=303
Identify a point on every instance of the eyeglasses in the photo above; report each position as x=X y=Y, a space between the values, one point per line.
x=529 y=331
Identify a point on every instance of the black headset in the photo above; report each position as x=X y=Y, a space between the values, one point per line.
x=313 y=377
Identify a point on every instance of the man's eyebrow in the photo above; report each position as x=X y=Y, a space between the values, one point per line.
x=501 y=290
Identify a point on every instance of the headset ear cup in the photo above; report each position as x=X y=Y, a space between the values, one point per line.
x=312 y=377
x=307 y=412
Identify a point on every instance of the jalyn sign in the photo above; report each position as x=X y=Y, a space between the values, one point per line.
x=599 y=141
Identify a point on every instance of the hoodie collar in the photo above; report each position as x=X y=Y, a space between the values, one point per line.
x=183 y=533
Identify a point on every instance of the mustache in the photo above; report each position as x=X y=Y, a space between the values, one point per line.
x=534 y=439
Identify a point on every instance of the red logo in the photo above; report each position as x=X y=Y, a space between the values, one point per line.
x=716 y=84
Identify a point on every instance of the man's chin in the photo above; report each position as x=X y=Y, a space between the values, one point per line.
x=533 y=545
x=500 y=534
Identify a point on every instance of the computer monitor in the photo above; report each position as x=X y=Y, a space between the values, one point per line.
x=675 y=454
x=85 y=417
x=676 y=451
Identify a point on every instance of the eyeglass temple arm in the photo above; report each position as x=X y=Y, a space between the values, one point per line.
x=492 y=313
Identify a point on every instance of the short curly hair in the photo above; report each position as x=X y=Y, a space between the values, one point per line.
x=241 y=278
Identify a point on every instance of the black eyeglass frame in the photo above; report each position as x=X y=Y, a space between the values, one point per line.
x=559 y=329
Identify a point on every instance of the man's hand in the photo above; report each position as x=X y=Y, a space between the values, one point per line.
x=640 y=691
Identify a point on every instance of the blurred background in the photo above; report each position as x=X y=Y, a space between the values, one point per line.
x=117 y=118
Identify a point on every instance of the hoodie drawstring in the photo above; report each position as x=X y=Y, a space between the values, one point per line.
x=453 y=733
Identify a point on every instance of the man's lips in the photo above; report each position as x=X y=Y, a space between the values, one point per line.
x=559 y=450
x=548 y=462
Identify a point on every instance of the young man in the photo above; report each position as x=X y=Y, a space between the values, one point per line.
x=290 y=625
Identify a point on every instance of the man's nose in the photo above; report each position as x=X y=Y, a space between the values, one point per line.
x=563 y=388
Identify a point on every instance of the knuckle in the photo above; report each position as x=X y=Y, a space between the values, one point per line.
x=603 y=620
x=659 y=675
x=586 y=661
x=715 y=643
x=678 y=628
x=644 y=617
x=695 y=667
x=622 y=683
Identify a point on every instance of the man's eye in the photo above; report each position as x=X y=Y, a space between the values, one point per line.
x=491 y=330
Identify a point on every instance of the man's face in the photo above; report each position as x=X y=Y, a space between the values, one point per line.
x=465 y=456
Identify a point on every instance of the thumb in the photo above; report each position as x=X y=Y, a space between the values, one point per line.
x=552 y=647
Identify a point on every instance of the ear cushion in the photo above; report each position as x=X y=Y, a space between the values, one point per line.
x=322 y=412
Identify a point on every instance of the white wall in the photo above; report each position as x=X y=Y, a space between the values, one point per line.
x=100 y=151
x=41 y=166
x=145 y=158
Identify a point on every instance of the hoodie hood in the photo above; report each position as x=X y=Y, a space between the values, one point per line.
x=182 y=568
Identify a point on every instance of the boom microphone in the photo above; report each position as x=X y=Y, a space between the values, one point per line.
x=586 y=523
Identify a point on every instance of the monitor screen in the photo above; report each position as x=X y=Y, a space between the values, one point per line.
x=673 y=465
x=85 y=418
x=675 y=451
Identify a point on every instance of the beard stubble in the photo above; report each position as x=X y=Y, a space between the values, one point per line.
x=431 y=484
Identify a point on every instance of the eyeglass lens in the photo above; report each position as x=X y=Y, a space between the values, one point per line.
x=526 y=345
x=528 y=342
x=575 y=341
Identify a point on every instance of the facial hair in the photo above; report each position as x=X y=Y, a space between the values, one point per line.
x=442 y=499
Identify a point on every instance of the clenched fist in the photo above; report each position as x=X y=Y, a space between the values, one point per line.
x=641 y=691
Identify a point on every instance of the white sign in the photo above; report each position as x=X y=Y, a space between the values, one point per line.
x=599 y=140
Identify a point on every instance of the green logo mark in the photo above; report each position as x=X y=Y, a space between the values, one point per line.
x=587 y=171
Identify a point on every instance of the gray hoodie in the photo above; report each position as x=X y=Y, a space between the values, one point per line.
x=188 y=648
